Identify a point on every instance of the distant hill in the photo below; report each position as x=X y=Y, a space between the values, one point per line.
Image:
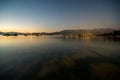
x=101 y=31
x=80 y=31
x=93 y=31
x=63 y=32
x=11 y=33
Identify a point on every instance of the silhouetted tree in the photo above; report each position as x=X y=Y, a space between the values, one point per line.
x=6 y=34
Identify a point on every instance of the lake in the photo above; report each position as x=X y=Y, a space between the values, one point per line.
x=58 y=58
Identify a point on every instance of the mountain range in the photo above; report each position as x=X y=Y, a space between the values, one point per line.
x=79 y=31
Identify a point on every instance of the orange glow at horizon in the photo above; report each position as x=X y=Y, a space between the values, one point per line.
x=25 y=30
x=18 y=30
x=22 y=28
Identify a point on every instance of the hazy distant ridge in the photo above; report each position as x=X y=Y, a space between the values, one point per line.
x=79 y=31
x=93 y=31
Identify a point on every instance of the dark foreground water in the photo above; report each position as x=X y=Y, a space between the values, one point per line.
x=51 y=58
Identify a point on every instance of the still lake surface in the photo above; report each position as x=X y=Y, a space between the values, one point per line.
x=57 y=58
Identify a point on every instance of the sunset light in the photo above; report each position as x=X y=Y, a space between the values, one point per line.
x=59 y=39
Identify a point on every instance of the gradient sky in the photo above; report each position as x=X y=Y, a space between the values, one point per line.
x=56 y=15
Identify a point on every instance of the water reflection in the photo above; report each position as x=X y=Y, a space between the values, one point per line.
x=56 y=58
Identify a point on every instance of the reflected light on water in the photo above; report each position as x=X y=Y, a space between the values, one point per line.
x=21 y=40
x=58 y=58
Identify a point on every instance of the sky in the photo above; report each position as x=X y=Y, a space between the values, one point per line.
x=56 y=15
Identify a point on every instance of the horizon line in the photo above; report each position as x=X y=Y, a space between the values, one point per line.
x=58 y=31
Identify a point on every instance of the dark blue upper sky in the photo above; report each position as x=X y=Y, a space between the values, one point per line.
x=55 y=15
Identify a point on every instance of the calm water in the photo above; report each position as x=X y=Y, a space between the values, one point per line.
x=56 y=58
